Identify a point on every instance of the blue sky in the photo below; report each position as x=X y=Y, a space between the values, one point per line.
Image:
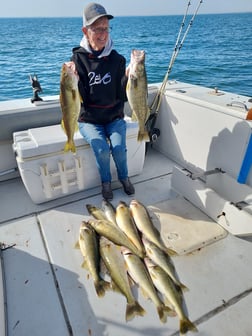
x=44 y=8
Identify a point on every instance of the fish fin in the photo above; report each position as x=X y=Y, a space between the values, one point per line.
x=164 y=311
x=134 y=116
x=185 y=325
x=101 y=287
x=76 y=128
x=70 y=146
x=161 y=314
x=63 y=125
x=77 y=245
x=144 y=293
x=182 y=287
x=170 y=311
x=171 y=252
x=134 y=309
x=143 y=136
x=168 y=303
x=84 y=265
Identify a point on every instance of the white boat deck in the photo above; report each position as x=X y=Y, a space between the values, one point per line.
x=48 y=293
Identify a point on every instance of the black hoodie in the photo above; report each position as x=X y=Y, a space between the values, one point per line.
x=102 y=86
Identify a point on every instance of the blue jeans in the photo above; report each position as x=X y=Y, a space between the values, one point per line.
x=105 y=140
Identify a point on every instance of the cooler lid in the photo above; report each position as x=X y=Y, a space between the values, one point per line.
x=51 y=139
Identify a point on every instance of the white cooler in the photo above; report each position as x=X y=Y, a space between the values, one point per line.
x=49 y=173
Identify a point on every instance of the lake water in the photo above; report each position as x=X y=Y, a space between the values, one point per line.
x=216 y=52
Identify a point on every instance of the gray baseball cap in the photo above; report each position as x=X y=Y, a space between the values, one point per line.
x=94 y=11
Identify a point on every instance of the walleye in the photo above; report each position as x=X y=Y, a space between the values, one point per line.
x=145 y=225
x=109 y=211
x=141 y=276
x=96 y=212
x=115 y=234
x=70 y=103
x=137 y=92
x=114 y=262
x=162 y=259
x=126 y=223
x=166 y=286
x=89 y=247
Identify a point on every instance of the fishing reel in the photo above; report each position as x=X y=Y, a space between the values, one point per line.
x=36 y=87
x=154 y=134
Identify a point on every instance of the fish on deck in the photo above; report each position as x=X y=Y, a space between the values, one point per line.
x=172 y=293
x=88 y=243
x=110 y=211
x=145 y=225
x=114 y=262
x=115 y=234
x=141 y=276
x=126 y=223
x=159 y=257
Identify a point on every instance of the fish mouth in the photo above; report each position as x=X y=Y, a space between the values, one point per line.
x=126 y=251
x=70 y=65
x=122 y=204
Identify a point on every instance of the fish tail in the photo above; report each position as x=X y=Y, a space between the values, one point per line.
x=134 y=309
x=143 y=136
x=164 y=311
x=186 y=325
x=101 y=287
x=70 y=146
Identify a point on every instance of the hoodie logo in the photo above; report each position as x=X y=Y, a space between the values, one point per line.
x=98 y=79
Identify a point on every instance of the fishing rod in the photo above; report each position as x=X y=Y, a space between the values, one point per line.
x=178 y=45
